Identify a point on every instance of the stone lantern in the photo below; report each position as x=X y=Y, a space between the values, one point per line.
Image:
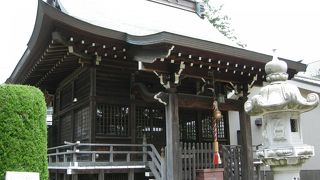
x=280 y=105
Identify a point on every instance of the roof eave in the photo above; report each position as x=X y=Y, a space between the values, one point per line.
x=170 y=38
x=48 y=15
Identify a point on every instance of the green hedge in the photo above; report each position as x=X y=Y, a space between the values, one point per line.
x=23 y=132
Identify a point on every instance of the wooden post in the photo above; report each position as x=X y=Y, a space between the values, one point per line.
x=198 y=127
x=132 y=122
x=74 y=176
x=93 y=103
x=131 y=174
x=144 y=149
x=73 y=119
x=258 y=174
x=74 y=154
x=163 y=164
x=173 y=155
x=56 y=175
x=246 y=146
x=101 y=175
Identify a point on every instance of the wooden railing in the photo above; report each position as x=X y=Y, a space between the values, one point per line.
x=195 y=156
x=232 y=162
x=203 y=154
x=80 y=156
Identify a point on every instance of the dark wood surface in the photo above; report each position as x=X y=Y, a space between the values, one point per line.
x=172 y=138
x=246 y=139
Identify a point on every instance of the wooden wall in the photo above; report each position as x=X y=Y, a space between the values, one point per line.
x=71 y=109
x=96 y=105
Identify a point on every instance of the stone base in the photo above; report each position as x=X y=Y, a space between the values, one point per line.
x=286 y=173
x=210 y=174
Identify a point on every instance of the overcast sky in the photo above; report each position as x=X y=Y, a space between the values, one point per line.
x=291 y=26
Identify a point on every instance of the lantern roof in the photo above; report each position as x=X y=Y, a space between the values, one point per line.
x=279 y=95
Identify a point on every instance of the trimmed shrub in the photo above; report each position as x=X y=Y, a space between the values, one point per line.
x=23 y=132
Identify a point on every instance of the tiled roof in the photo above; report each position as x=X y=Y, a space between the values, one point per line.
x=143 y=17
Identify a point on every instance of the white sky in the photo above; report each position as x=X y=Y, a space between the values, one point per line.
x=291 y=26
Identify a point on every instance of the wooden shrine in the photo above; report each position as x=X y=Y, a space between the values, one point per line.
x=115 y=88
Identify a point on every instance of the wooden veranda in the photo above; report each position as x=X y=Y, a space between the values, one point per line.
x=74 y=159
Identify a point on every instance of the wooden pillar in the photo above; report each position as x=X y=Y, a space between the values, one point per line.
x=246 y=146
x=101 y=175
x=131 y=174
x=56 y=175
x=73 y=119
x=132 y=122
x=57 y=121
x=198 y=126
x=74 y=176
x=173 y=155
x=92 y=104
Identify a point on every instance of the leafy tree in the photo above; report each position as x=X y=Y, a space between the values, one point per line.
x=23 y=132
x=221 y=22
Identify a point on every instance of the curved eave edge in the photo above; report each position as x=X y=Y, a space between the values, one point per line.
x=284 y=108
x=256 y=106
x=33 y=41
x=175 y=39
x=166 y=38
x=49 y=13
x=16 y=71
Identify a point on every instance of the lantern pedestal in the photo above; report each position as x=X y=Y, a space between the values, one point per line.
x=286 y=162
x=286 y=173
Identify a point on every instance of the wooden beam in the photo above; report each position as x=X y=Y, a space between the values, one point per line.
x=149 y=54
x=189 y=100
x=195 y=72
x=159 y=67
x=205 y=102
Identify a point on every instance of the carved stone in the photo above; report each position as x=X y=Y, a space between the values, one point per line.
x=280 y=104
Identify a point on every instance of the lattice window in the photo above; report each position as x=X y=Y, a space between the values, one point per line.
x=188 y=128
x=151 y=122
x=66 y=128
x=81 y=124
x=221 y=128
x=206 y=124
x=112 y=120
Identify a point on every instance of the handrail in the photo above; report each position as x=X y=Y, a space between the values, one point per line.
x=78 y=154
